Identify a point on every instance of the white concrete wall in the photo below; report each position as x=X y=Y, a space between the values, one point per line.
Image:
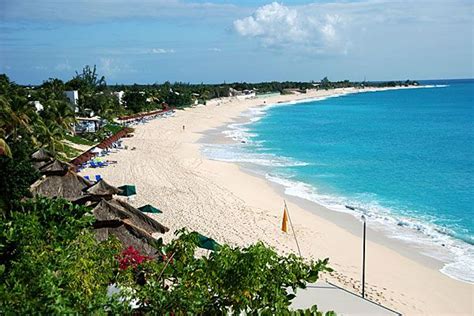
x=73 y=96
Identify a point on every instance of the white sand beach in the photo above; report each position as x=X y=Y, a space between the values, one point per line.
x=220 y=200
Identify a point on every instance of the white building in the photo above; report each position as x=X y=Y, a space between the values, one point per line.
x=88 y=124
x=241 y=95
x=39 y=107
x=73 y=96
x=119 y=96
x=246 y=94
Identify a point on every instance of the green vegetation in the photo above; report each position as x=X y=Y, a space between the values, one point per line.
x=19 y=118
x=94 y=94
x=327 y=84
x=16 y=176
x=69 y=152
x=234 y=279
x=181 y=94
x=113 y=128
x=51 y=263
x=21 y=123
x=79 y=140
x=104 y=132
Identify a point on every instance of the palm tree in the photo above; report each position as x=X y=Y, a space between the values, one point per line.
x=60 y=112
x=52 y=89
x=13 y=118
x=50 y=135
x=5 y=149
x=107 y=106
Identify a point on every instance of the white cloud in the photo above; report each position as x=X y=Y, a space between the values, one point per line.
x=277 y=25
x=214 y=49
x=334 y=28
x=162 y=51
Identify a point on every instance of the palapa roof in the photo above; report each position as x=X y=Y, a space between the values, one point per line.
x=102 y=188
x=40 y=164
x=69 y=186
x=55 y=167
x=120 y=210
x=105 y=211
x=140 y=218
x=128 y=224
x=129 y=235
x=41 y=155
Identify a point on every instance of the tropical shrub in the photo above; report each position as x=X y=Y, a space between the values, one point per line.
x=50 y=261
x=252 y=280
x=16 y=175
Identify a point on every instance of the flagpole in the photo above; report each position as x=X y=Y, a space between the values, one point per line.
x=292 y=228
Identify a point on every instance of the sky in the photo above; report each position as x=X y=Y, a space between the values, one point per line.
x=148 y=41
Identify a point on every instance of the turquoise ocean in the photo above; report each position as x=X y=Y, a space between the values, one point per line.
x=404 y=158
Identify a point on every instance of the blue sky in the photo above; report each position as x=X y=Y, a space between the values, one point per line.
x=147 y=41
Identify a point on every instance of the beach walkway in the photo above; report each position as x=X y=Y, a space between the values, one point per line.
x=329 y=297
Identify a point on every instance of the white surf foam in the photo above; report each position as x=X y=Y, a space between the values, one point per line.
x=431 y=239
x=241 y=155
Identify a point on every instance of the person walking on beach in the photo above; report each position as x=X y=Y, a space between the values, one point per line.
x=184 y=127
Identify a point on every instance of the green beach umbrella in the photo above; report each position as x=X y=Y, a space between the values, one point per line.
x=207 y=243
x=149 y=209
x=127 y=190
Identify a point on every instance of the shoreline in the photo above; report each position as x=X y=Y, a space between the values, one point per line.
x=229 y=204
x=421 y=248
x=345 y=221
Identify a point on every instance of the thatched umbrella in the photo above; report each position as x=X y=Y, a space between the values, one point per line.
x=40 y=164
x=69 y=186
x=138 y=217
x=126 y=223
x=55 y=167
x=41 y=155
x=41 y=158
x=103 y=189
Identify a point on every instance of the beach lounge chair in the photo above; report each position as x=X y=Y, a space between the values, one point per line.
x=87 y=178
x=98 y=177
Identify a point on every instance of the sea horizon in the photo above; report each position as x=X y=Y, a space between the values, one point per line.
x=296 y=157
x=440 y=232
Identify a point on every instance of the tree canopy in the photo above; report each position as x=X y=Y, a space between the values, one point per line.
x=51 y=263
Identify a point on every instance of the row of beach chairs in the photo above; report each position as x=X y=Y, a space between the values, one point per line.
x=98 y=177
x=97 y=164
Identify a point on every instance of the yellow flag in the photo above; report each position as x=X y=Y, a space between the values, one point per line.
x=284 y=224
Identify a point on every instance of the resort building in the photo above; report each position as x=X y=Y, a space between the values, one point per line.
x=73 y=96
x=241 y=95
x=88 y=124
